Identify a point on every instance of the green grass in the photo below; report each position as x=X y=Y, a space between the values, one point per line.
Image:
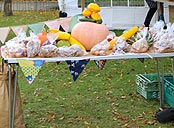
x=27 y=17
x=98 y=99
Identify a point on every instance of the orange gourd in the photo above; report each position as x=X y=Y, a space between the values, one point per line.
x=86 y=12
x=95 y=16
x=42 y=37
x=94 y=7
x=89 y=34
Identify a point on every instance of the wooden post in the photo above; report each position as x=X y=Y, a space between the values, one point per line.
x=83 y=4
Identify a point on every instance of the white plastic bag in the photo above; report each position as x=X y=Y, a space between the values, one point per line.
x=100 y=49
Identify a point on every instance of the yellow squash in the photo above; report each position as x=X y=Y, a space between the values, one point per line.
x=63 y=35
x=73 y=41
x=95 y=16
x=112 y=43
x=130 y=33
x=93 y=7
x=86 y=12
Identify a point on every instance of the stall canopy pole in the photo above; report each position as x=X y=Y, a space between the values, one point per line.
x=83 y=4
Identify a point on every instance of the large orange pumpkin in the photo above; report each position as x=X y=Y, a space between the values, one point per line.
x=89 y=34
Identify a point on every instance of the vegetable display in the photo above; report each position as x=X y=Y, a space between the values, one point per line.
x=90 y=37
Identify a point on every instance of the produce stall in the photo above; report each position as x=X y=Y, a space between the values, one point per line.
x=89 y=40
x=14 y=61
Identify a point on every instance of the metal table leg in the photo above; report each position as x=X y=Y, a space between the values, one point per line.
x=12 y=102
x=172 y=59
x=9 y=93
x=161 y=81
x=14 y=95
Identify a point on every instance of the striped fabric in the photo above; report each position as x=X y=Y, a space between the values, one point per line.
x=151 y=3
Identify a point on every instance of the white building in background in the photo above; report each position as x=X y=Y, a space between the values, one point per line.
x=115 y=17
x=64 y=5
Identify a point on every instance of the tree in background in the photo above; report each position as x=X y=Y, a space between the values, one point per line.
x=8 y=8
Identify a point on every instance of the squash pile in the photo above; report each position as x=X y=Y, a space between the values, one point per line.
x=64 y=38
x=91 y=13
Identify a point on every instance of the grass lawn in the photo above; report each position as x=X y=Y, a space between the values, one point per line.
x=98 y=99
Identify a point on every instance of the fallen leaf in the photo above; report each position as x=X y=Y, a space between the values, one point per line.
x=61 y=118
x=123 y=97
x=86 y=122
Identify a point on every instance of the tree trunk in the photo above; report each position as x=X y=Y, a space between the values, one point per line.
x=8 y=8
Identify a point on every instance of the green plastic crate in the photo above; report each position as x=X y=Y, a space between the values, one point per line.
x=147 y=84
x=169 y=92
x=147 y=94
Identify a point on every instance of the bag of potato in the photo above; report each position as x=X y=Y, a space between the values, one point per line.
x=140 y=46
x=4 y=106
x=100 y=49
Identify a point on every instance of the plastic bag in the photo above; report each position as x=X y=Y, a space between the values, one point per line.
x=100 y=49
x=14 y=49
x=140 y=46
x=121 y=46
x=71 y=51
x=111 y=36
x=4 y=116
x=48 y=51
x=165 y=115
x=156 y=27
x=33 y=48
x=164 y=44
